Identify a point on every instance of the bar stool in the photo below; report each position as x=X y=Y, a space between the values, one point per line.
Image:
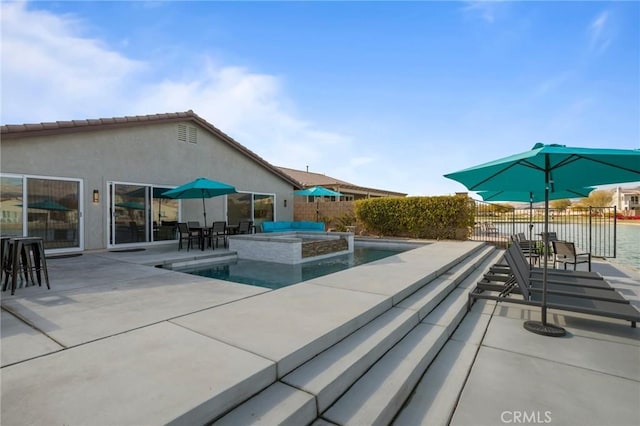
x=27 y=254
x=5 y=244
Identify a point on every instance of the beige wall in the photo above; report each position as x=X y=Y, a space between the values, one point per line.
x=145 y=154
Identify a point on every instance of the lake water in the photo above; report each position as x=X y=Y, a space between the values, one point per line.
x=628 y=247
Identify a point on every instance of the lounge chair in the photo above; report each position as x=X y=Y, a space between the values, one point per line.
x=570 y=285
x=536 y=272
x=520 y=290
x=528 y=247
x=565 y=252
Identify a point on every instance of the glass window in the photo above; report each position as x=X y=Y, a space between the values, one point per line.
x=165 y=215
x=239 y=208
x=53 y=212
x=11 y=206
x=129 y=213
x=263 y=208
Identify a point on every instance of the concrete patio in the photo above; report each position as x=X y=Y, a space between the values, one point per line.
x=119 y=341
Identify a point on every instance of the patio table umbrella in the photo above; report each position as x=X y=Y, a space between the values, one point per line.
x=200 y=188
x=548 y=168
x=317 y=191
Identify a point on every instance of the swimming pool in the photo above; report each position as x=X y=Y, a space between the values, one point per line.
x=277 y=275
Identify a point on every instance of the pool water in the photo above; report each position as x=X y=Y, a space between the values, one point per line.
x=277 y=275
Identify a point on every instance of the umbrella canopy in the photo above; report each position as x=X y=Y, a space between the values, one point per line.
x=317 y=191
x=549 y=168
x=200 y=188
x=534 y=197
x=567 y=168
x=131 y=205
x=47 y=205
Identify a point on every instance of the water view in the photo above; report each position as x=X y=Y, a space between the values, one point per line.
x=628 y=245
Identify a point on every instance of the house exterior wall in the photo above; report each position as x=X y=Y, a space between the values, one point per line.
x=143 y=154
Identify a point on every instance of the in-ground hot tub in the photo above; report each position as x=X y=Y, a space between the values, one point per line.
x=291 y=247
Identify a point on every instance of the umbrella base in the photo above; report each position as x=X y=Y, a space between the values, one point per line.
x=544 y=329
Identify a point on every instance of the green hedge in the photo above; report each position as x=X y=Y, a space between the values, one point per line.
x=441 y=217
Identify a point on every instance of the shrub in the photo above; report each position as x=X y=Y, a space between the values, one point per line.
x=441 y=217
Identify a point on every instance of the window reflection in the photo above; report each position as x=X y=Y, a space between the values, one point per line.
x=11 y=206
x=53 y=212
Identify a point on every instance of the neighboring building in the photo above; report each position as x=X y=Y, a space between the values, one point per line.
x=95 y=184
x=627 y=201
x=348 y=190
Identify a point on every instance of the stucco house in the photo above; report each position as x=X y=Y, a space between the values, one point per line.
x=627 y=201
x=98 y=183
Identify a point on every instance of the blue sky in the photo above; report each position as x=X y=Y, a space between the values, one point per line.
x=389 y=95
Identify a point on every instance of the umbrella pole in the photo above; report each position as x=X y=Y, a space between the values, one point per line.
x=530 y=228
x=542 y=327
x=204 y=210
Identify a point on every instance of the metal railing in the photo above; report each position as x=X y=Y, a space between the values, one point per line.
x=592 y=229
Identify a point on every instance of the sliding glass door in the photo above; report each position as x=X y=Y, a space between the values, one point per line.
x=45 y=207
x=139 y=214
x=248 y=206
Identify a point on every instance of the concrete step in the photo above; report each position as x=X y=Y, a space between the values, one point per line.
x=377 y=397
x=429 y=296
x=434 y=399
x=335 y=370
x=278 y=404
x=331 y=373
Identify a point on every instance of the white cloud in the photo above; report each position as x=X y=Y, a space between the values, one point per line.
x=52 y=72
x=600 y=32
x=487 y=10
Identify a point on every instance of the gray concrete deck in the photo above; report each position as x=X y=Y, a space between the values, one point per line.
x=117 y=341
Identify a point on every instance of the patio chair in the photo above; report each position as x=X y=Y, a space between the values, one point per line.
x=565 y=252
x=553 y=236
x=185 y=234
x=218 y=231
x=244 y=227
x=584 y=300
x=193 y=224
x=489 y=228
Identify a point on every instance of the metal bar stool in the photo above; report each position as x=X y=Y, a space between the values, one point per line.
x=27 y=254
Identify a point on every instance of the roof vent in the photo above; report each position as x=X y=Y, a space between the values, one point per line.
x=187 y=134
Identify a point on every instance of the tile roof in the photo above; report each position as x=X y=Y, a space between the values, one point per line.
x=307 y=179
x=15 y=131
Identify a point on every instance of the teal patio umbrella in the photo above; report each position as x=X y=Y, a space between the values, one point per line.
x=132 y=205
x=317 y=191
x=549 y=168
x=200 y=188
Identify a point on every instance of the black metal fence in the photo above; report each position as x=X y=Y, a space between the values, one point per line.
x=592 y=229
